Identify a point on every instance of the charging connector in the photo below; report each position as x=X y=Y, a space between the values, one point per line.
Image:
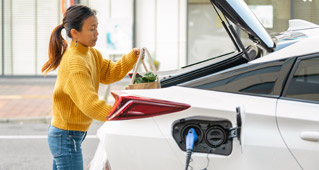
x=191 y=138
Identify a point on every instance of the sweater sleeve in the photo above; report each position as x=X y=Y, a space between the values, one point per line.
x=111 y=72
x=81 y=90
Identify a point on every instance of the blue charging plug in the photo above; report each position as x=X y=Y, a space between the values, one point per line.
x=191 y=138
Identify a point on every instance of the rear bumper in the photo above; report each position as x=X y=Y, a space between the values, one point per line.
x=134 y=144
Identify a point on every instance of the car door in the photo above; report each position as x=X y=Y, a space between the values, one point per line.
x=255 y=87
x=298 y=112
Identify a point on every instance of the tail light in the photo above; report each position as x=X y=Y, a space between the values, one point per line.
x=134 y=107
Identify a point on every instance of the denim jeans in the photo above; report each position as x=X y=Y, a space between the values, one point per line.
x=65 y=147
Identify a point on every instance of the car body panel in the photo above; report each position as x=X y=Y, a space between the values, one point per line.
x=135 y=143
x=298 y=30
x=298 y=24
x=297 y=111
x=303 y=47
x=100 y=158
x=294 y=119
x=154 y=135
x=255 y=141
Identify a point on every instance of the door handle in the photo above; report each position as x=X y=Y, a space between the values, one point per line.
x=310 y=136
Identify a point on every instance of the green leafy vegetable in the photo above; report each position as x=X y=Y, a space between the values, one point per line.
x=147 y=78
x=139 y=80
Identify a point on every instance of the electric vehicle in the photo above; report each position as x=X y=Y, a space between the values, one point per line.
x=256 y=108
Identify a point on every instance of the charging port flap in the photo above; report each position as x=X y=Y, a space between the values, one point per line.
x=236 y=132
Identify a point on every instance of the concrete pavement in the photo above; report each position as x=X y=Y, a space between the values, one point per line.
x=31 y=98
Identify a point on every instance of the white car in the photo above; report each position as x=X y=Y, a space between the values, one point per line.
x=262 y=114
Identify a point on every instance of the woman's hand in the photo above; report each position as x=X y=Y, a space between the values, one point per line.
x=137 y=51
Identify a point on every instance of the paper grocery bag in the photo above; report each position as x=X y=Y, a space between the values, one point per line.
x=151 y=85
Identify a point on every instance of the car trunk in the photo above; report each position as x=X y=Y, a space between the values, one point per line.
x=206 y=67
x=238 y=12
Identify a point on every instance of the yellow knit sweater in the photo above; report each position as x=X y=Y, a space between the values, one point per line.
x=75 y=97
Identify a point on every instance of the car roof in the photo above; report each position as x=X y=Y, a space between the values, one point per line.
x=303 y=47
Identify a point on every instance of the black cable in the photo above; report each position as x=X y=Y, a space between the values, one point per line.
x=188 y=157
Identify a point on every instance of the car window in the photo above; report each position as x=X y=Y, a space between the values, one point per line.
x=252 y=79
x=305 y=81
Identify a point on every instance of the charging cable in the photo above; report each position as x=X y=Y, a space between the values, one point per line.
x=191 y=138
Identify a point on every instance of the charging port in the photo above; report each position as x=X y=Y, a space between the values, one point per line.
x=198 y=131
x=213 y=134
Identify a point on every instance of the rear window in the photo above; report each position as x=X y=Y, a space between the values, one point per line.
x=252 y=79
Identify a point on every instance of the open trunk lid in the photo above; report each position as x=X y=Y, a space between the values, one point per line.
x=238 y=12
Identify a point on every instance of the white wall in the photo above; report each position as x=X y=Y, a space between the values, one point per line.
x=1 y=40
x=47 y=19
x=182 y=41
x=161 y=27
x=102 y=8
x=122 y=9
x=146 y=25
x=28 y=26
x=23 y=32
x=7 y=38
x=110 y=9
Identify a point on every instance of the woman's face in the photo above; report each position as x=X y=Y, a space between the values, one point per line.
x=89 y=33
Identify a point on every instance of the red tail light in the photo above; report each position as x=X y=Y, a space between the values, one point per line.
x=134 y=107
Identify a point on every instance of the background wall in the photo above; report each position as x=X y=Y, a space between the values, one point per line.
x=27 y=28
x=1 y=39
x=158 y=26
x=177 y=32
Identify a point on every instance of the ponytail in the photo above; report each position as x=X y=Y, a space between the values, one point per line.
x=57 y=47
x=73 y=18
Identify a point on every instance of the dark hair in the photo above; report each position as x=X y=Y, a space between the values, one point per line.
x=73 y=18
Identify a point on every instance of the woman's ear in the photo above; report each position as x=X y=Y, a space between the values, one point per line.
x=74 y=33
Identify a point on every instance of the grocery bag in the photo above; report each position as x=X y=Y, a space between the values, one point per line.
x=149 y=85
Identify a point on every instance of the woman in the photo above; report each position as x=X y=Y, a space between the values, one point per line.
x=75 y=97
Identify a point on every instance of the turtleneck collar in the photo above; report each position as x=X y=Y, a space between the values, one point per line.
x=79 y=47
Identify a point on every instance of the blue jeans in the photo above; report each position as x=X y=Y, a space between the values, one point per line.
x=65 y=147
